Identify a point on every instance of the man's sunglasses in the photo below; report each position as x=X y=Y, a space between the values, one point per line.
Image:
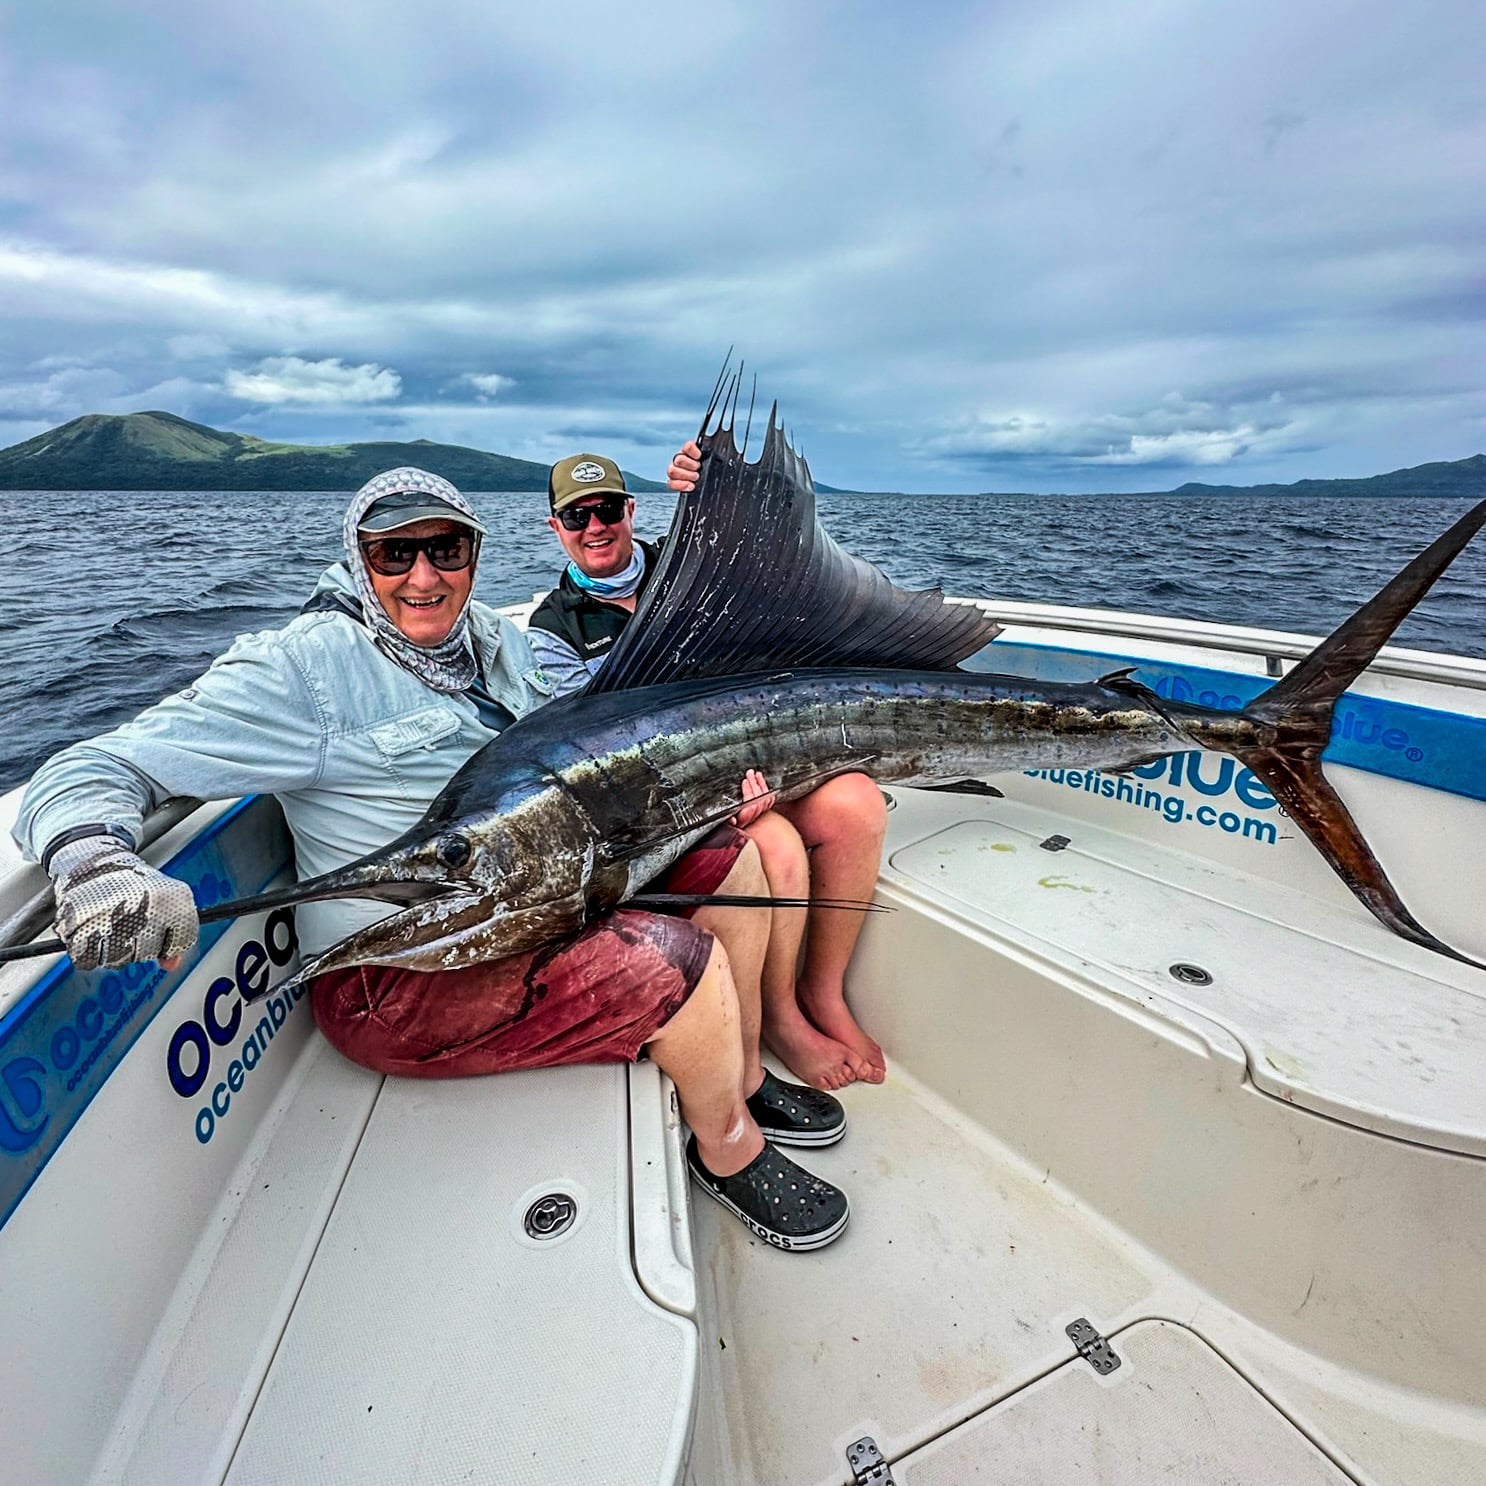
x=609 y=510
x=450 y=552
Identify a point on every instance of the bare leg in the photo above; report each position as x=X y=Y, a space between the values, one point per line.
x=744 y=934
x=701 y=1048
x=812 y=1056
x=842 y=823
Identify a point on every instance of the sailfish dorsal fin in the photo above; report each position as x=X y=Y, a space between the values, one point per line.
x=749 y=581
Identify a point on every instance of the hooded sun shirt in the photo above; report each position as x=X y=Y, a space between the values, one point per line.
x=448 y=666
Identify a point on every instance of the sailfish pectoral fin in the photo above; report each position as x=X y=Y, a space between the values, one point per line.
x=1299 y=784
x=642 y=839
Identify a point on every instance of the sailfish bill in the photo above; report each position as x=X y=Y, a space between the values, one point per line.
x=761 y=644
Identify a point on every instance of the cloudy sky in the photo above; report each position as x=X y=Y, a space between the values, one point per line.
x=1026 y=245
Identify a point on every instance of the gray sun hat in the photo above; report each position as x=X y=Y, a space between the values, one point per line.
x=450 y=665
x=402 y=496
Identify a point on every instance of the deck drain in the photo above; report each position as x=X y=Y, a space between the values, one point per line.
x=1191 y=975
x=550 y=1215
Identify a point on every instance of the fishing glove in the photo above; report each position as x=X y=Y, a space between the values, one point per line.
x=114 y=908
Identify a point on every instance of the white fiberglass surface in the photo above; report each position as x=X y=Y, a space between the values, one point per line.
x=1333 y=1011
x=949 y=1289
x=944 y=1306
x=436 y=1339
x=1172 y=1411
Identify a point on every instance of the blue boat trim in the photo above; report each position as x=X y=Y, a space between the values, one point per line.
x=1420 y=745
x=176 y=866
x=60 y=1043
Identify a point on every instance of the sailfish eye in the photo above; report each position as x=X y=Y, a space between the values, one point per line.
x=454 y=850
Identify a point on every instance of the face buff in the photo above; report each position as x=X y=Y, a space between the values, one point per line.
x=620 y=586
x=450 y=665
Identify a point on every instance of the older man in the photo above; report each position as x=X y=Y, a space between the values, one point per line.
x=354 y=715
x=839 y=827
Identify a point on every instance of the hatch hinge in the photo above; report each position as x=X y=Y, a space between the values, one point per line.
x=868 y=1468
x=1092 y=1347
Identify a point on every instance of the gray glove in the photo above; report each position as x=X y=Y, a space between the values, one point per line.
x=114 y=908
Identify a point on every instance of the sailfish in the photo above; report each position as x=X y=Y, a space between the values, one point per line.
x=760 y=643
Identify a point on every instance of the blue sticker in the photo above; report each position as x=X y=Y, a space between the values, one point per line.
x=1420 y=745
x=63 y=1038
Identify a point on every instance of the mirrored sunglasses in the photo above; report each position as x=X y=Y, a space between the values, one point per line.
x=449 y=552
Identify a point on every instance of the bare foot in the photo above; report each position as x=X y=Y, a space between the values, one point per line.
x=828 y=1011
x=809 y=1054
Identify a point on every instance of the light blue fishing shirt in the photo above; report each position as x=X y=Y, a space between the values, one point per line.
x=563 y=666
x=354 y=746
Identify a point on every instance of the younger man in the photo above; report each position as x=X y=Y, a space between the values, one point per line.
x=840 y=825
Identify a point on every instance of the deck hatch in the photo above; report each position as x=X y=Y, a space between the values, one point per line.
x=1177 y=1412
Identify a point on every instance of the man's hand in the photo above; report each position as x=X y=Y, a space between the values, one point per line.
x=758 y=799
x=113 y=908
x=685 y=467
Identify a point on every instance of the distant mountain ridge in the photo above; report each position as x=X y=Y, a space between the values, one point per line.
x=159 y=451
x=1462 y=477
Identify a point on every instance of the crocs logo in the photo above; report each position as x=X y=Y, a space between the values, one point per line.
x=777 y=1239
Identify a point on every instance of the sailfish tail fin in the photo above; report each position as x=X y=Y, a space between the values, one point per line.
x=1282 y=734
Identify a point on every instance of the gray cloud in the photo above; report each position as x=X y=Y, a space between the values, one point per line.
x=1045 y=246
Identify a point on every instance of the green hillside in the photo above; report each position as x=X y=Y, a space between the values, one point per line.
x=158 y=451
x=1462 y=477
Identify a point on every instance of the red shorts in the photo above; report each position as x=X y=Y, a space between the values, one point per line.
x=598 y=998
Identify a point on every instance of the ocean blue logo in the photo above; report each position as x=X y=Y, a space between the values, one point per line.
x=60 y=1042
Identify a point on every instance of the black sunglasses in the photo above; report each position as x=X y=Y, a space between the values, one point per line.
x=609 y=510
x=449 y=552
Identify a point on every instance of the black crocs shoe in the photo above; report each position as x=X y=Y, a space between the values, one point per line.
x=793 y=1114
x=781 y=1202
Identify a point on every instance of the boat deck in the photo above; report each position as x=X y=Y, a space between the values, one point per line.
x=936 y=1327
x=1279 y=1247
x=1328 y=1009
x=369 y=1306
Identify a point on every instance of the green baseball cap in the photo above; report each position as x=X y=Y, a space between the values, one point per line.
x=583 y=474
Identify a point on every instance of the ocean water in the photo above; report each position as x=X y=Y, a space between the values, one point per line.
x=122 y=597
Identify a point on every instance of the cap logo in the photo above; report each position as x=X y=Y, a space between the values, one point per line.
x=587 y=472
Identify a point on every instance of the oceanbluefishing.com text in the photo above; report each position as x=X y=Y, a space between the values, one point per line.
x=1182 y=769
